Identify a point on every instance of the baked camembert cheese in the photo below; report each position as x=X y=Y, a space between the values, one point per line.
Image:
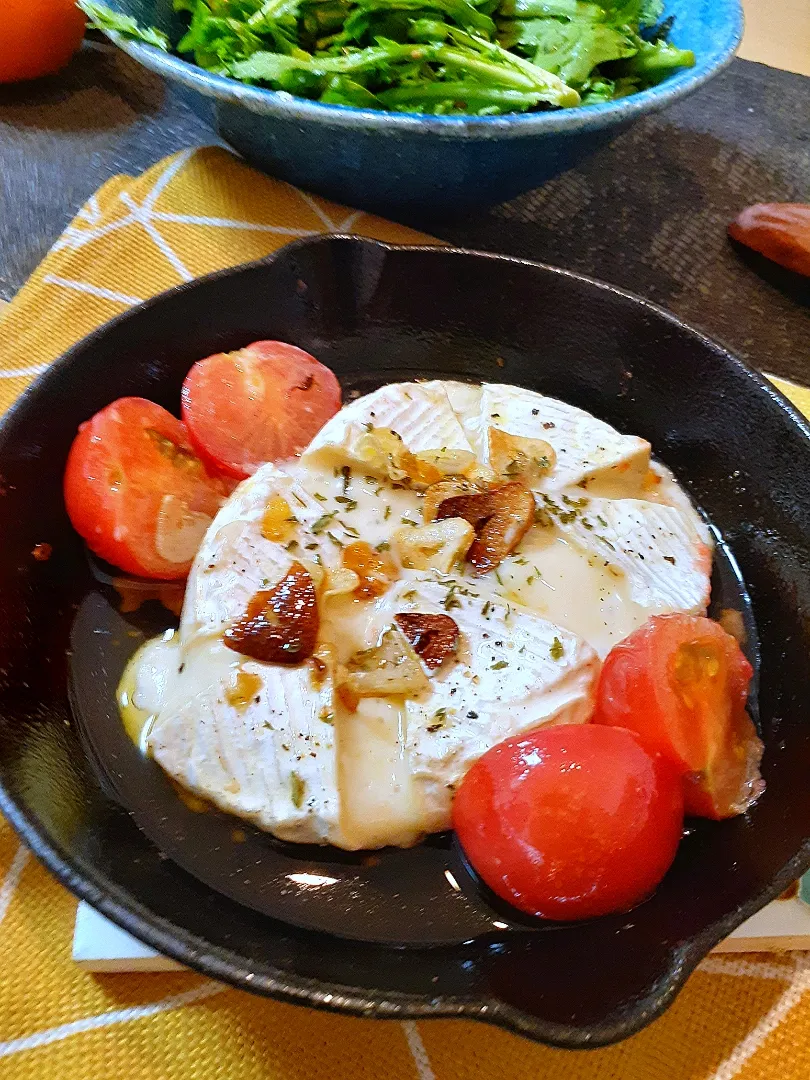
x=443 y=567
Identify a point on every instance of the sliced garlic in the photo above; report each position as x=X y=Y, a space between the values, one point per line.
x=338 y=582
x=323 y=664
x=515 y=458
x=482 y=476
x=316 y=571
x=445 y=489
x=383 y=452
x=179 y=530
x=390 y=669
x=437 y=546
x=379 y=450
x=449 y=462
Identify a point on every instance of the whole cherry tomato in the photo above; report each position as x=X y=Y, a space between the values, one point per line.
x=572 y=821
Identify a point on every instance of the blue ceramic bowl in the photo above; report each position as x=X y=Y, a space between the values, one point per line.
x=426 y=165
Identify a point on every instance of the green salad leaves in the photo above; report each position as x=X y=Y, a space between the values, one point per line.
x=445 y=57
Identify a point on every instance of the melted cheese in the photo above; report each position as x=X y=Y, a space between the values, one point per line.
x=616 y=542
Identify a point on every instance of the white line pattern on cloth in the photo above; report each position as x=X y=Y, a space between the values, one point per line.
x=228 y=223
x=77 y=238
x=168 y=174
x=12 y=879
x=24 y=373
x=118 y=1016
x=757 y=969
x=91 y=290
x=418 y=1052
x=791 y=996
x=142 y=214
x=317 y=210
x=91 y=211
x=347 y=222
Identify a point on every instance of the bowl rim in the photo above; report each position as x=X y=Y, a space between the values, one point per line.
x=282 y=105
x=124 y=909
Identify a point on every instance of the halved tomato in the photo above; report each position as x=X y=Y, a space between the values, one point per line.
x=136 y=491
x=681 y=682
x=262 y=403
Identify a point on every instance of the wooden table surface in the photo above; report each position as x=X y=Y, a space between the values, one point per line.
x=777 y=32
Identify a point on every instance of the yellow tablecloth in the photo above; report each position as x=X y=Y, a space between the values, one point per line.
x=738 y=1017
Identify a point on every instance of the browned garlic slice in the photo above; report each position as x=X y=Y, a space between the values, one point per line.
x=501 y=519
x=434 y=638
x=280 y=625
x=445 y=489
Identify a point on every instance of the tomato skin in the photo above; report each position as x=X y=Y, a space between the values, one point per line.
x=262 y=403
x=38 y=38
x=681 y=682
x=123 y=462
x=570 y=821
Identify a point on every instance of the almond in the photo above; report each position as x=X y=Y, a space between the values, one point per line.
x=779 y=231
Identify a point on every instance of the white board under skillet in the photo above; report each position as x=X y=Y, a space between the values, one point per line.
x=99 y=945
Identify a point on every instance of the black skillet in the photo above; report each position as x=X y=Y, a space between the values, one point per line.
x=399 y=934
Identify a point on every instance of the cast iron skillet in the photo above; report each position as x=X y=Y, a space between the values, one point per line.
x=396 y=938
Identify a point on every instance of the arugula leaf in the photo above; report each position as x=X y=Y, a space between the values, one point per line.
x=461 y=12
x=464 y=96
x=535 y=77
x=341 y=90
x=599 y=89
x=268 y=67
x=102 y=17
x=654 y=60
x=554 y=9
x=572 y=50
x=634 y=13
x=480 y=57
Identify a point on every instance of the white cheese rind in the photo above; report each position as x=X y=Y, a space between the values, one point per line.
x=663 y=556
x=516 y=672
x=271 y=761
x=386 y=774
x=420 y=413
x=235 y=561
x=588 y=450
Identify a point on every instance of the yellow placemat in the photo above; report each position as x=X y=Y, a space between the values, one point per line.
x=738 y=1017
